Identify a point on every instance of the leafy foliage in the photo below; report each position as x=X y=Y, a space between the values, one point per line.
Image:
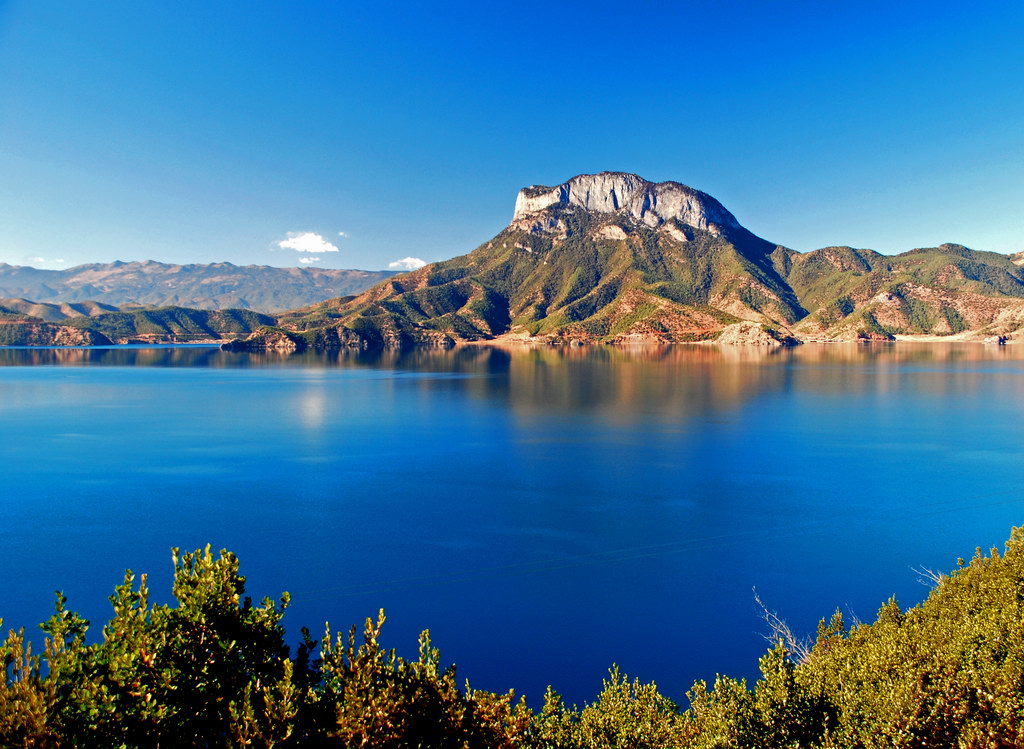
x=214 y=670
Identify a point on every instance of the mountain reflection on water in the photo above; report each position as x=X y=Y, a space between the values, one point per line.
x=622 y=381
x=483 y=358
x=570 y=507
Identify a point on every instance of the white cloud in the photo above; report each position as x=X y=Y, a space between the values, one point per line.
x=407 y=263
x=306 y=241
x=60 y=261
x=309 y=260
x=342 y=233
x=36 y=259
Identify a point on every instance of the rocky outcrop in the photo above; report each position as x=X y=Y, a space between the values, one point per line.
x=267 y=339
x=651 y=203
x=335 y=338
x=65 y=335
x=874 y=335
x=755 y=334
x=330 y=337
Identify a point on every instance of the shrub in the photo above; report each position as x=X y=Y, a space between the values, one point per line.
x=214 y=670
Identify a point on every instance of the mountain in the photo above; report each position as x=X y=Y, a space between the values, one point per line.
x=615 y=258
x=213 y=286
x=607 y=257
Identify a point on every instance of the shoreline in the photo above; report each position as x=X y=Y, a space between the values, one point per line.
x=579 y=343
x=520 y=342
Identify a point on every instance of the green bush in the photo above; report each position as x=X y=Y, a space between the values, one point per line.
x=214 y=670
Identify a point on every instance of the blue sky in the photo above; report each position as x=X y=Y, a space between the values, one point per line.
x=201 y=132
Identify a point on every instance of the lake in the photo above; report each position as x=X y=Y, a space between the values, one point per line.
x=545 y=513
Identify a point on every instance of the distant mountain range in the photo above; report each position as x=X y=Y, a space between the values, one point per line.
x=212 y=286
x=612 y=257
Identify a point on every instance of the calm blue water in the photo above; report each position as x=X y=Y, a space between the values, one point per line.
x=545 y=513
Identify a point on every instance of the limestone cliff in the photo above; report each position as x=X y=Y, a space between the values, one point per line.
x=653 y=204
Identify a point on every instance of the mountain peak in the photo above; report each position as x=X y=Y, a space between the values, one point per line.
x=653 y=203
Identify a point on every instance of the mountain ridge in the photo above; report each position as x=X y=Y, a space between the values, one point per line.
x=222 y=285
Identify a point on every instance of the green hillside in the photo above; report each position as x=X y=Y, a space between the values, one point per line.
x=944 y=290
x=178 y=322
x=647 y=284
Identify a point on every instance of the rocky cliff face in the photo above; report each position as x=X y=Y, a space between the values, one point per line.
x=653 y=204
x=748 y=333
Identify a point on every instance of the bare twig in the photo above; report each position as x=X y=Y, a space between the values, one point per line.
x=929 y=578
x=778 y=629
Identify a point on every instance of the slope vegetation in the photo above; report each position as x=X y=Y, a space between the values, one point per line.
x=942 y=290
x=26 y=323
x=179 y=323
